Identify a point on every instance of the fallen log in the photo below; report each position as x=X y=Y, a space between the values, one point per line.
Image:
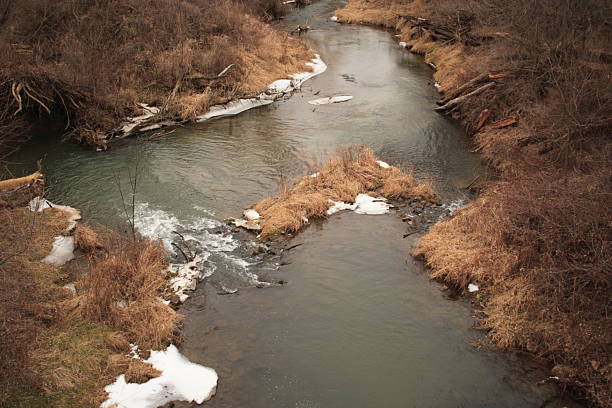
x=17 y=192
x=14 y=183
x=498 y=75
x=482 y=119
x=500 y=125
x=454 y=102
x=457 y=92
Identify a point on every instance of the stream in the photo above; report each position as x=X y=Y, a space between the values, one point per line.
x=356 y=322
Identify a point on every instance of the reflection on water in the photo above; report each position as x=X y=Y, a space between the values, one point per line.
x=358 y=324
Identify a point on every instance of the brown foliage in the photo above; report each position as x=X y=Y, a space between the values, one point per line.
x=140 y=372
x=90 y=63
x=26 y=309
x=87 y=239
x=354 y=171
x=122 y=290
x=541 y=249
x=538 y=240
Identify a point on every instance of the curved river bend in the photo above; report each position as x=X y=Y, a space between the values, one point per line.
x=358 y=324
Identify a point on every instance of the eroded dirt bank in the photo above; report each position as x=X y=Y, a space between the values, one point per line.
x=531 y=82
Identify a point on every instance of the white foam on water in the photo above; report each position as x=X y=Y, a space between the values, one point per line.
x=159 y=224
x=156 y=224
x=181 y=380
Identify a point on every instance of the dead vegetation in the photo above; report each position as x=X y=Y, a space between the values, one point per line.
x=531 y=82
x=61 y=349
x=88 y=65
x=354 y=171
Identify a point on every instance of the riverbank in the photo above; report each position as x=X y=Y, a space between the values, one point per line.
x=81 y=308
x=86 y=68
x=537 y=241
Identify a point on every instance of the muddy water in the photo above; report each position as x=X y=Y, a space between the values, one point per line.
x=357 y=324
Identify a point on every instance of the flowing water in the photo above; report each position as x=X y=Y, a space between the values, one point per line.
x=357 y=324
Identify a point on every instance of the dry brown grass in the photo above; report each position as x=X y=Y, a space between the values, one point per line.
x=87 y=239
x=51 y=60
x=543 y=261
x=60 y=350
x=140 y=372
x=537 y=240
x=122 y=290
x=353 y=172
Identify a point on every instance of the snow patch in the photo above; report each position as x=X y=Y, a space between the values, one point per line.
x=340 y=206
x=234 y=107
x=382 y=164
x=331 y=99
x=364 y=204
x=276 y=90
x=473 y=288
x=62 y=251
x=38 y=204
x=181 y=380
x=334 y=18
x=371 y=205
x=402 y=44
x=131 y=123
x=71 y=287
x=314 y=175
x=251 y=225
x=251 y=214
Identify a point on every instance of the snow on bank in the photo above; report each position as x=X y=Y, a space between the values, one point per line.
x=131 y=123
x=38 y=204
x=473 y=288
x=334 y=18
x=275 y=90
x=181 y=380
x=63 y=245
x=62 y=251
x=364 y=204
x=331 y=99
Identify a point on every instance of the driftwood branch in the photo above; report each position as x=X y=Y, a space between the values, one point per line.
x=191 y=254
x=500 y=125
x=457 y=101
x=457 y=92
x=482 y=119
x=201 y=77
x=440 y=32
